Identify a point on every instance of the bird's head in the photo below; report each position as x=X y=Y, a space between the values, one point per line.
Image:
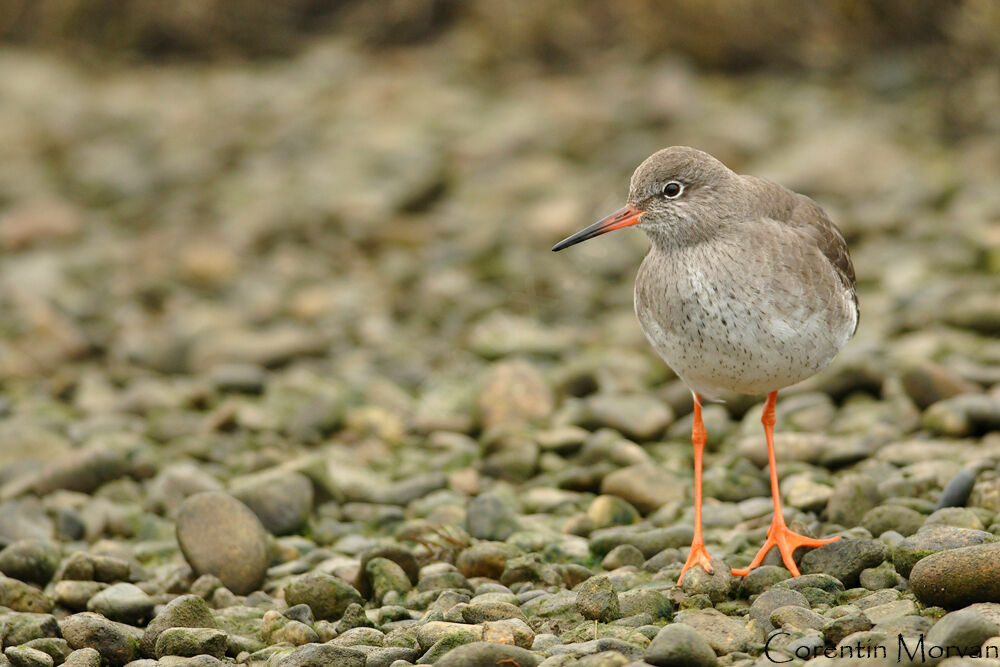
x=674 y=186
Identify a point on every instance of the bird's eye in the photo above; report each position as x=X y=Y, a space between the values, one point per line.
x=672 y=190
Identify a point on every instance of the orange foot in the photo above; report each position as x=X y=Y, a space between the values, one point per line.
x=698 y=556
x=778 y=535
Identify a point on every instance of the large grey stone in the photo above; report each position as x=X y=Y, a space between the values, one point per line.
x=117 y=643
x=221 y=536
x=680 y=645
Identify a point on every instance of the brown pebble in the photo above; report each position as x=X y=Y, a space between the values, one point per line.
x=219 y=535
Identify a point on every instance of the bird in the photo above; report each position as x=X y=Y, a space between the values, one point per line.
x=747 y=287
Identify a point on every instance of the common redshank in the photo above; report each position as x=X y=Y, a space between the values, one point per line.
x=747 y=287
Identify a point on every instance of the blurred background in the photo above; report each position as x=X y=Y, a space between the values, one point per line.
x=242 y=228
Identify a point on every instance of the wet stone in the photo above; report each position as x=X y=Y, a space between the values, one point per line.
x=768 y=601
x=641 y=416
x=509 y=631
x=125 y=603
x=117 y=643
x=56 y=647
x=189 y=642
x=281 y=500
x=22 y=656
x=276 y=629
x=176 y=482
x=866 y=601
x=604 y=659
x=903 y=520
x=574 y=651
x=820 y=581
x=21 y=628
x=82 y=566
x=836 y=629
x=716 y=586
x=724 y=633
x=596 y=599
x=649 y=542
x=852 y=497
x=186 y=611
x=803 y=492
x=934 y=539
x=443 y=581
x=962 y=628
x=320 y=655
x=881 y=577
x=696 y=601
x=84 y=470
x=891 y=611
x=656 y=604
x=958 y=577
x=514 y=392
x=742 y=484
x=606 y=511
x=20 y=596
x=964 y=415
x=621 y=556
x=486 y=654
x=386 y=656
x=486 y=559
x=221 y=536
x=326 y=595
x=74 y=595
x=386 y=576
x=844 y=559
x=796 y=616
x=31 y=561
x=354 y=617
x=662 y=559
x=483 y=611
x=510 y=457
x=679 y=645
x=488 y=517
x=399 y=555
x=986 y=493
x=956 y=492
x=762 y=578
x=301 y=613
x=646 y=486
x=927 y=382
x=959 y=517
x=84 y=657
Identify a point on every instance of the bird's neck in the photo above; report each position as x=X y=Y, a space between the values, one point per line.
x=681 y=234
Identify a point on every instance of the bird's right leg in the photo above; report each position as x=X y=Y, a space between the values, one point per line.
x=698 y=555
x=779 y=534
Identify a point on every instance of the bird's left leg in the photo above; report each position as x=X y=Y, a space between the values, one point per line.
x=698 y=555
x=778 y=535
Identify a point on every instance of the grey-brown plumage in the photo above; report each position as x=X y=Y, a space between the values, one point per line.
x=748 y=287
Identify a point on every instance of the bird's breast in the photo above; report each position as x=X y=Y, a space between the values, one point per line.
x=726 y=319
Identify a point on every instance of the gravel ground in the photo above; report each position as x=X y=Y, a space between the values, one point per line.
x=289 y=376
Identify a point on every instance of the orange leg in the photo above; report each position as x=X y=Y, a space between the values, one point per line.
x=778 y=535
x=699 y=555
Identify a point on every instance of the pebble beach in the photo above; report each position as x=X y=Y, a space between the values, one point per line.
x=289 y=376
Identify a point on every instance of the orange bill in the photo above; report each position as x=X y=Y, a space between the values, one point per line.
x=626 y=216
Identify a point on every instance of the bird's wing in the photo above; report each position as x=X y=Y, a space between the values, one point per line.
x=811 y=221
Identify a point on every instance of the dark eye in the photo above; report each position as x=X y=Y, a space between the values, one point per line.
x=672 y=190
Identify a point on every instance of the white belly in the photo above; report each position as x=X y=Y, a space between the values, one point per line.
x=723 y=330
